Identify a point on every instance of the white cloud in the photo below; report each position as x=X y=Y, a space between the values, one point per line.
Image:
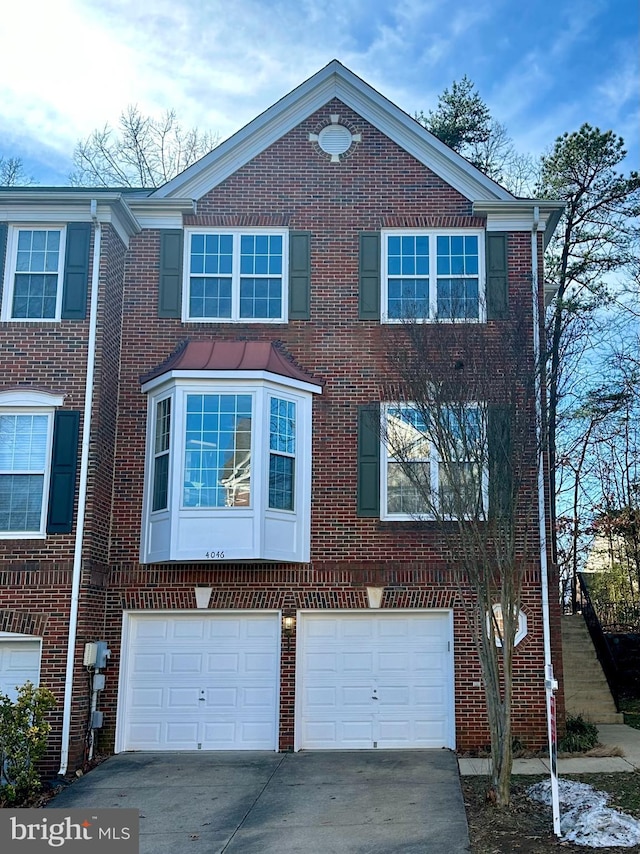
x=70 y=66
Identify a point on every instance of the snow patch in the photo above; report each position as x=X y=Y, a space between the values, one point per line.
x=585 y=817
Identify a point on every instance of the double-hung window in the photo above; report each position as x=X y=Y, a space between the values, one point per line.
x=433 y=468
x=432 y=275
x=25 y=440
x=34 y=273
x=282 y=453
x=236 y=276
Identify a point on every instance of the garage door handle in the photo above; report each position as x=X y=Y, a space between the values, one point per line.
x=375 y=698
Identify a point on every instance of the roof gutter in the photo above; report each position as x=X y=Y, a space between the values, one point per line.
x=82 y=492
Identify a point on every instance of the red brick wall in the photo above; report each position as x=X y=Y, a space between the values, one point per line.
x=290 y=184
x=36 y=575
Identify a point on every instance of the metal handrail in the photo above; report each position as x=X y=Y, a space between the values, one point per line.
x=600 y=642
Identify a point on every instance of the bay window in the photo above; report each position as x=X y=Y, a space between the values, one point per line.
x=229 y=468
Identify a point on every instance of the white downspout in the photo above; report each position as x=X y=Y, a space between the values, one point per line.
x=82 y=492
x=550 y=683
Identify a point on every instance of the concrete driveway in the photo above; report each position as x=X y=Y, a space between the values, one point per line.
x=346 y=802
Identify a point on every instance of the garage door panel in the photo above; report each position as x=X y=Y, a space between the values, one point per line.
x=183 y=698
x=356 y=662
x=209 y=683
x=221 y=698
x=189 y=630
x=230 y=628
x=19 y=663
x=223 y=662
x=352 y=697
x=386 y=680
x=147 y=698
x=390 y=662
x=150 y=629
x=145 y=664
x=185 y=662
x=262 y=628
x=147 y=735
x=355 y=629
x=321 y=662
x=259 y=697
x=182 y=735
x=258 y=662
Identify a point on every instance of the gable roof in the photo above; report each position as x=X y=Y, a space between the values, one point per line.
x=332 y=81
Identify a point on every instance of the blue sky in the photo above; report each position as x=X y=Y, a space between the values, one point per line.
x=69 y=66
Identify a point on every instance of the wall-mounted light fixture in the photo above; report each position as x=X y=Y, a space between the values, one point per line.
x=288 y=627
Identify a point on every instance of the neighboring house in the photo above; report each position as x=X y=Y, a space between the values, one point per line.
x=183 y=470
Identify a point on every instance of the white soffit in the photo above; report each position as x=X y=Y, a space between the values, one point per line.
x=333 y=81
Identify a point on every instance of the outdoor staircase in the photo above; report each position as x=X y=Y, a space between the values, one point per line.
x=586 y=690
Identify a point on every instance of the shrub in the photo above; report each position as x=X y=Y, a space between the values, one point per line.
x=23 y=741
x=580 y=736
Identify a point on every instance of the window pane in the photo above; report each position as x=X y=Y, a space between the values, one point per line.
x=21 y=502
x=460 y=489
x=161 y=462
x=281 y=482
x=217 y=451
x=34 y=296
x=161 y=483
x=408 y=488
x=406 y=434
x=408 y=276
x=211 y=256
x=260 y=298
x=458 y=299
x=210 y=297
x=408 y=298
x=23 y=442
x=282 y=426
x=163 y=425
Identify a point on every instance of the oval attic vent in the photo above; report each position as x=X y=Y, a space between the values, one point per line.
x=335 y=139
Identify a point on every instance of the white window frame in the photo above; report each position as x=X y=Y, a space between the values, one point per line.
x=256 y=517
x=236 y=234
x=26 y=402
x=434 y=461
x=10 y=271
x=433 y=235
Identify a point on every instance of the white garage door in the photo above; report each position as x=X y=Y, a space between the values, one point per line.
x=19 y=662
x=380 y=680
x=199 y=682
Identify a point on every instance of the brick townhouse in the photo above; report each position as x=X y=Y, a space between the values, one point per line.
x=185 y=472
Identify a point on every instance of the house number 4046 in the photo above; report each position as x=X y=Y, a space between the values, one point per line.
x=214 y=555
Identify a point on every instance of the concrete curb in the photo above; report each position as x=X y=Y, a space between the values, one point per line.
x=621 y=736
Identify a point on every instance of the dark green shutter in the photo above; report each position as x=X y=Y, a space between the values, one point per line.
x=299 y=275
x=76 y=271
x=4 y=229
x=64 y=461
x=170 y=284
x=497 y=276
x=369 y=276
x=368 y=460
x=500 y=461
